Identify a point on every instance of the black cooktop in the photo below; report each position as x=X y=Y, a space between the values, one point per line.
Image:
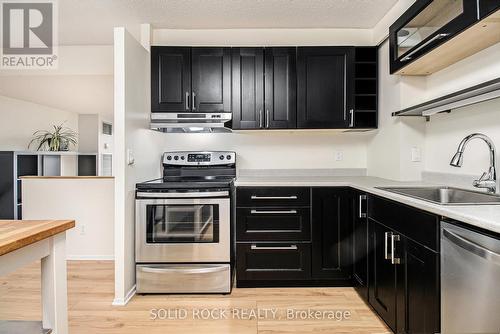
x=186 y=183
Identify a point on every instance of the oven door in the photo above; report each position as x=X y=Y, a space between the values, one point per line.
x=182 y=230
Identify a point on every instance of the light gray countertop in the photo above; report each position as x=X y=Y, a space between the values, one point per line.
x=484 y=216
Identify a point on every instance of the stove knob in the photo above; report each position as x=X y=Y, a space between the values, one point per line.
x=182 y=157
x=228 y=157
x=169 y=157
x=176 y=157
x=221 y=157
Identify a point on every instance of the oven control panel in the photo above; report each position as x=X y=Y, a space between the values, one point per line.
x=187 y=158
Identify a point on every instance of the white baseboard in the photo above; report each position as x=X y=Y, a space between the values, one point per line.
x=90 y=257
x=124 y=301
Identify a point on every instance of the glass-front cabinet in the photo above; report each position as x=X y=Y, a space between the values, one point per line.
x=426 y=25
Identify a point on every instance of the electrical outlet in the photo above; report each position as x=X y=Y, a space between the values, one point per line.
x=339 y=156
x=416 y=154
x=82 y=229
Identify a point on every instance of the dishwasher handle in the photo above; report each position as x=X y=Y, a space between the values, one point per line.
x=472 y=247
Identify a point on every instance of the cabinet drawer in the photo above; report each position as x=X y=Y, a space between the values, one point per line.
x=272 y=196
x=273 y=261
x=421 y=226
x=271 y=224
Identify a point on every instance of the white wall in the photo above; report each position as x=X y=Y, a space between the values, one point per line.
x=131 y=123
x=88 y=201
x=280 y=150
x=445 y=131
x=261 y=37
x=20 y=119
x=88 y=133
x=389 y=152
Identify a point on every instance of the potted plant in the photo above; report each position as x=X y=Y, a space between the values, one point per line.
x=57 y=140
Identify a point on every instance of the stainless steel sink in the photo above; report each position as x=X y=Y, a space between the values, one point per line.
x=446 y=195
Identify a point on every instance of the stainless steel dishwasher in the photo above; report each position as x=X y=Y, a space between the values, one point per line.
x=470 y=281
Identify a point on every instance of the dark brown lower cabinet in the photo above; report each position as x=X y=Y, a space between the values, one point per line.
x=418 y=294
x=382 y=285
x=360 y=246
x=332 y=215
x=273 y=261
x=404 y=276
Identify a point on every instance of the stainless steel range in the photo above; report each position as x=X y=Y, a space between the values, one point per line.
x=183 y=221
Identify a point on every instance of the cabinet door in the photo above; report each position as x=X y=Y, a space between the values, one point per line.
x=331 y=233
x=170 y=79
x=281 y=87
x=211 y=79
x=360 y=246
x=418 y=297
x=248 y=88
x=382 y=284
x=324 y=81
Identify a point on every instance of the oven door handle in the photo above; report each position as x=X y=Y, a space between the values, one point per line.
x=182 y=270
x=183 y=194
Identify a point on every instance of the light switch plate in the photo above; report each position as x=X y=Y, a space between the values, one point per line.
x=130 y=157
x=416 y=154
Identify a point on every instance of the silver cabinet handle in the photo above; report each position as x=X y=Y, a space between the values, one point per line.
x=273 y=197
x=351 y=113
x=187 y=100
x=472 y=247
x=194 y=101
x=291 y=247
x=386 y=245
x=182 y=270
x=267 y=118
x=394 y=238
x=261 y=119
x=438 y=36
x=361 y=199
x=277 y=212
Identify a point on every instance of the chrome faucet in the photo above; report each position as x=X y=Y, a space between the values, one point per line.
x=489 y=179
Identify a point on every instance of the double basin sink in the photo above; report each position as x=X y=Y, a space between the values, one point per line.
x=446 y=195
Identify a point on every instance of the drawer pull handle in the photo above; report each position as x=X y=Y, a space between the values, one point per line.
x=386 y=242
x=291 y=247
x=273 y=197
x=275 y=212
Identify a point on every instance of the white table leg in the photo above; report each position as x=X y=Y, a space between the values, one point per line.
x=54 y=286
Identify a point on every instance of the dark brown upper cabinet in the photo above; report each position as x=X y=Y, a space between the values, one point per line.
x=170 y=79
x=324 y=87
x=280 y=88
x=248 y=88
x=190 y=79
x=433 y=34
x=264 y=88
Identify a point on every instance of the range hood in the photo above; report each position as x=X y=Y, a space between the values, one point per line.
x=190 y=122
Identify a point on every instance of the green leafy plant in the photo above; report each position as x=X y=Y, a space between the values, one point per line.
x=57 y=140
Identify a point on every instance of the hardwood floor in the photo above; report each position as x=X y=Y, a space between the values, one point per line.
x=91 y=290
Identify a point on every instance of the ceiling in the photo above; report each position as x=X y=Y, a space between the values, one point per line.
x=85 y=22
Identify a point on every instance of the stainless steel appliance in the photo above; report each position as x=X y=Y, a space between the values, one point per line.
x=183 y=225
x=190 y=122
x=470 y=276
